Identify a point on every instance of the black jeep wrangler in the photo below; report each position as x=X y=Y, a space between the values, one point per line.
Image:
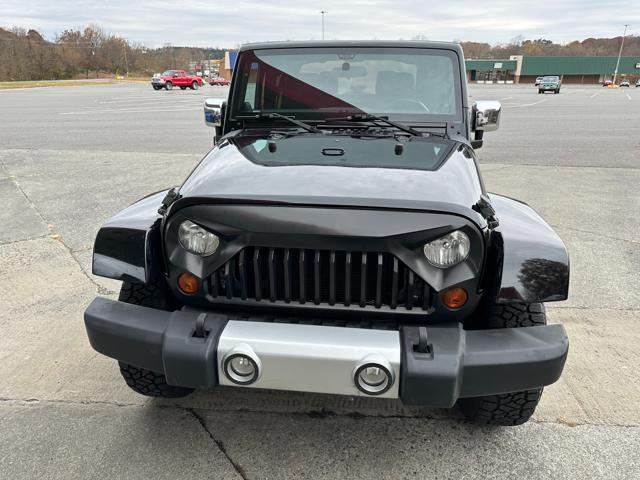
x=339 y=239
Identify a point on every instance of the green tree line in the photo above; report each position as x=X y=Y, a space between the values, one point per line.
x=544 y=47
x=87 y=53
x=91 y=52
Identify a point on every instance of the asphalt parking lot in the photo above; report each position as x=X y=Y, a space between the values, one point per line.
x=71 y=157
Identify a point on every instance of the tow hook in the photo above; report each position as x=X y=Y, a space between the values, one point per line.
x=423 y=345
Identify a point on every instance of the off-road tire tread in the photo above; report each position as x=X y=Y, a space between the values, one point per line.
x=151 y=384
x=515 y=408
x=508 y=409
x=516 y=315
x=152 y=295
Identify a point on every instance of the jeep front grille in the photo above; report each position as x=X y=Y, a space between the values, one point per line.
x=321 y=277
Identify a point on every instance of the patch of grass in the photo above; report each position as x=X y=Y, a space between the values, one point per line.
x=53 y=83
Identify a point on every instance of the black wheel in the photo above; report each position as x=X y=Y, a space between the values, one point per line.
x=194 y=86
x=557 y=91
x=168 y=85
x=154 y=294
x=183 y=88
x=156 y=87
x=509 y=408
x=540 y=91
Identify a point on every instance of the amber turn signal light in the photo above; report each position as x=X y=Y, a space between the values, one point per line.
x=188 y=283
x=454 y=297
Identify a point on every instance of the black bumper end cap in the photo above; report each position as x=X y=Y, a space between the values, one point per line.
x=479 y=362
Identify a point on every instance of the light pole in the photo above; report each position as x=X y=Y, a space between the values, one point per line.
x=323 y=12
x=615 y=74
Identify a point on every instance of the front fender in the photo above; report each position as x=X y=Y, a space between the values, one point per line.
x=532 y=262
x=128 y=245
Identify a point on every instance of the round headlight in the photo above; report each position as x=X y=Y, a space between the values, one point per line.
x=449 y=250
x=196 y=239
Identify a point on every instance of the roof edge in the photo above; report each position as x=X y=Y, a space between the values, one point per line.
x=352 y=43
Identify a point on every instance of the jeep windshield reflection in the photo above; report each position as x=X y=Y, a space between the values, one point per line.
x=406 y=84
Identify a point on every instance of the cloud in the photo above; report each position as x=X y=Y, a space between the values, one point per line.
x=227 y=24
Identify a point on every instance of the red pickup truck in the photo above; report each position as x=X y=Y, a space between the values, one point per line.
x=175 y=78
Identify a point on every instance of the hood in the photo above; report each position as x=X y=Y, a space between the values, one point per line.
x=428 y=174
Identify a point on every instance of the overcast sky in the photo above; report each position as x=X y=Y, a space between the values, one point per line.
x=228 y=23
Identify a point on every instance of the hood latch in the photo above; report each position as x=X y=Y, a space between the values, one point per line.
x=171 y=196
x=484 y=207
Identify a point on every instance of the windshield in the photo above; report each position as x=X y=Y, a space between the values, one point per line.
x=551 y=79
x=405 y=84
x=168 y=73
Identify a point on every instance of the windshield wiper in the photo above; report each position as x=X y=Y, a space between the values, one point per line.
x=270 y=116
x=363 y=117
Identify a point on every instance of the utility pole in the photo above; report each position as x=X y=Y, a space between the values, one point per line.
x=126 y=61
x=615 y=74
x=323 y=12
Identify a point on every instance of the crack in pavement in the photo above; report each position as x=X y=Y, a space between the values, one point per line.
x=236 y=466
x=597 y=234
x=53 y=233
x=13 y=242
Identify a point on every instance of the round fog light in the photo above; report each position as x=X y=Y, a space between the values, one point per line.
x=373 y=377
x=241 y=366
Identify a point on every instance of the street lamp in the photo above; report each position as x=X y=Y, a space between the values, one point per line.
x=615 y=74
x=323 y=12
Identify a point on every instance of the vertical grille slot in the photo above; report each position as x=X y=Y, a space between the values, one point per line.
x=359 y=280
x=288 y=274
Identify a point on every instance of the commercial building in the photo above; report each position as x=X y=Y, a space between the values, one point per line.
x=228 y=64
x=525 y=69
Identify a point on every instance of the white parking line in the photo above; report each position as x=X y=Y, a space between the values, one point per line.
x=118 y=110
x=628 y=96
x=595 y=95
x=164 y=100
x=505 y=98
x=526 y=104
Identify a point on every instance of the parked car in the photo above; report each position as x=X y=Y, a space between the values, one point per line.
x=175 y=78
x=607 y=83
x=368 y=260
x=219 y=81
x=625 y=83
x=638 y=83
x=537 y=82
x=551 y=83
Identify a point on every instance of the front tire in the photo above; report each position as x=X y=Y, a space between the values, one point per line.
x=151 y=384
x=168 y=85
x=154 y=294
x=195 y=86
x=156 y=87
x=514 y=408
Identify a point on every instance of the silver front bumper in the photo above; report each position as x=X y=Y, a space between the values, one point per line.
x=310 y=358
